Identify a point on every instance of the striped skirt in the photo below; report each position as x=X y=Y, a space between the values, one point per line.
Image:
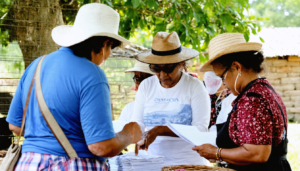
x=45 y=162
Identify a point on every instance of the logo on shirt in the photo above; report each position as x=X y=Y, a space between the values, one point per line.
x=180 y=115
x=165 y=100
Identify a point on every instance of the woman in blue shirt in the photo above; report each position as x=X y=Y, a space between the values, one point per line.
x=77 y=93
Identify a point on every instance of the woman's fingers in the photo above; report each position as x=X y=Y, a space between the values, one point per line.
x=139 y=145
x=197 y=148
x=136 y=149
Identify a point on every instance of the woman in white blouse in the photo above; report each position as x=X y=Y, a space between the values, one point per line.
x=141 y=71
x=170 y=96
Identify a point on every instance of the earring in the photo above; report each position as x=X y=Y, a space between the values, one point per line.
x=104 y=58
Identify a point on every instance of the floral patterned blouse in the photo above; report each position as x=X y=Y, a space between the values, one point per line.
x=257 y=118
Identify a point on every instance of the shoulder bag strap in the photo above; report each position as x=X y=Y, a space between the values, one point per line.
x=53 y=125
x=25 y=109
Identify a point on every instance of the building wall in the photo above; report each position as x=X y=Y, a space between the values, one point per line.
x=284 y=75
x=120 y=84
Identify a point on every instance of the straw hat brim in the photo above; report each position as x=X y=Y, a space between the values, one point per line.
x=185 y=54
x=242 y=47
x=139 y=69
x=63 y=36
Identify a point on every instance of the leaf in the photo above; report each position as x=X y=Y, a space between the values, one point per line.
x=153 y=4
x=259 y=29
x=226 y=20
x=136 y=3
x=253 y=31
x=252 y=17
x=246 y=36
x=109 y=3
x=142 y=23
x=86 y=1
x=197 y=16
x=160 y=27
x=187 y=32
x=262 y=40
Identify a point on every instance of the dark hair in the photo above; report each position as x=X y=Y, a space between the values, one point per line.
x=249 y=59
x=185 y=68
x=95 y=43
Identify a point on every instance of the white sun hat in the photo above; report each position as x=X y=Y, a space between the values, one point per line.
x=93 y=19
x=227 y=43
x=166 y=49
x=140 y=67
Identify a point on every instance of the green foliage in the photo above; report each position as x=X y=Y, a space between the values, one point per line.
x=142 y=38
x=277 y=13
x=4 y=34
x=196 y=21
x=12 y=64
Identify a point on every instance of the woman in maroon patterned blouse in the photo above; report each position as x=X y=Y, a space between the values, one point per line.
x=255 y=134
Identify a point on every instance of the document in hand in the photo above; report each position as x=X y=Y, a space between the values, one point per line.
x=119 y=125
x=192 y=135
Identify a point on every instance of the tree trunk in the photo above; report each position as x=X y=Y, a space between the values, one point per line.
x=30 y=23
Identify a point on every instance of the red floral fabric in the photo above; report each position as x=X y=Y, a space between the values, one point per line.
x=257 y=118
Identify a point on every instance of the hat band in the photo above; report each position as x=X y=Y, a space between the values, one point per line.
x=166 y=53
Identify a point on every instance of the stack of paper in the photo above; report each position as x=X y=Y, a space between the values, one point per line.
x=113 y=163
x=130 y=162
x=192 y=135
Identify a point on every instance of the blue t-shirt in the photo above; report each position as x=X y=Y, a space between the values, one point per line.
x=77 y=94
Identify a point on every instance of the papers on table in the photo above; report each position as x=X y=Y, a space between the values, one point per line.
x=130 y=162
x=119 y=125
x=192 y=135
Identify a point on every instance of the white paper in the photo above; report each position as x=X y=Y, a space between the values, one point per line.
x=142 y=162
x=192 y=135
x=119 y=125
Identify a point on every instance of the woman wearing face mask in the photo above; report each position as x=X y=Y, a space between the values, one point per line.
x=217 y=92
x=141 y=71
x=254 y=137
x=170 y=96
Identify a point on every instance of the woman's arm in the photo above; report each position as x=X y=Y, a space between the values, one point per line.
x=15 y=129
x=248 y=153
x=130 y=134
x=243 y=155
x=201 y=106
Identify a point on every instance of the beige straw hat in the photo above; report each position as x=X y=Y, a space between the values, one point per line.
x=140 y=67
x=227 y=43
x=93 y=19
x=166 y=49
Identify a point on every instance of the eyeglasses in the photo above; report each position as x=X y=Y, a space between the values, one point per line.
x=168 y=68
x=139 y=79
x=224 y=77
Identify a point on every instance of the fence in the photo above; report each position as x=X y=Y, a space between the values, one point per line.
x=25 y=34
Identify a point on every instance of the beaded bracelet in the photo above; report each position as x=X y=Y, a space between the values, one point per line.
x=219 y=152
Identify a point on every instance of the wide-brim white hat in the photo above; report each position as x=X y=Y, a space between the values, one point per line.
x=227 y=43
x=140 y=67
x=93 y=19
x=166 y=49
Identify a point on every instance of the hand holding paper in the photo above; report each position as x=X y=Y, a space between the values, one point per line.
x=192 y=135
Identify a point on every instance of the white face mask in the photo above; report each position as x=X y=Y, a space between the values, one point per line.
x=212 y=82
